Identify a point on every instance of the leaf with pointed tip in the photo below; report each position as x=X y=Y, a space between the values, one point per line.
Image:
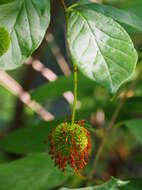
x=100 y=47
x=26 y=21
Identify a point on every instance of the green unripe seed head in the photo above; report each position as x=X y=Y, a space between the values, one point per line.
x=70 y=143
x=4 y=41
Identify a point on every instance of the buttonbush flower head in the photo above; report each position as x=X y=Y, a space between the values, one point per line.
x=4 y=40
x=69 y=144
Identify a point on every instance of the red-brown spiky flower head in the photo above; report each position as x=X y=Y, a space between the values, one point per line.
x=70 y=143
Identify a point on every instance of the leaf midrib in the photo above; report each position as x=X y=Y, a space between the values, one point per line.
x=91 y=31
x=13 y=28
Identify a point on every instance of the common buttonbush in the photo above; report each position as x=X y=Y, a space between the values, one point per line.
x=70 y=144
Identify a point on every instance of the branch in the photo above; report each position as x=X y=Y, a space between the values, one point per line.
x=58 y=55
x=49 y=75
x=111 y=124
x=10 y=84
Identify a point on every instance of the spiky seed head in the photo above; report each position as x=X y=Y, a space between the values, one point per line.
x=69 y=143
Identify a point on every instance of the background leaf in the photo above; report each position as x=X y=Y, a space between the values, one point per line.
x=133 y=6
x=35 y=172
x=134 y=184
x=100 y=47
x=6 y=1
x=57 y=88
x=122 y=16
x=29 y=139
x=26 y=21
x=135 y=127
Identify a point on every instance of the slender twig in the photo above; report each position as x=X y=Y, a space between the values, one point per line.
x=75 y=93
x=111 y=124
x=63 y=4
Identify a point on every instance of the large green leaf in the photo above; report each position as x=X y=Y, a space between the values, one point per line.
x=135 y=127
x=122 y=16
x=100 y=47
x=29 y=139
x=113 y=184
x=35 y=172
x=26 y=21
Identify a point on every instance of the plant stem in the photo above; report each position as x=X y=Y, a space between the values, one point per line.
x=63 y=4
x=75 y=78
x=110 y=125
x=75 y=93
x=98 y=155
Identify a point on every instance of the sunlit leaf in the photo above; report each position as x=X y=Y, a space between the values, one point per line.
x=26 y=21
x=100 y=47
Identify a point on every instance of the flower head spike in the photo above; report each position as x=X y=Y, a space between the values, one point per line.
x=4 y=41
x=70 y=143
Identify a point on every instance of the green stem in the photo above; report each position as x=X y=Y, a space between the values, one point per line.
x=75 y=93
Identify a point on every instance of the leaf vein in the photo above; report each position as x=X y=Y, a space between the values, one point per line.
x=93 y=34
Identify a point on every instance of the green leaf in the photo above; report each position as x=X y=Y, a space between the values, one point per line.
x=113 y=184
x=35 y=172
x=26 y=21
x=135 y=127
x=122 y=16
x=100 y=47
x=28 y=140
